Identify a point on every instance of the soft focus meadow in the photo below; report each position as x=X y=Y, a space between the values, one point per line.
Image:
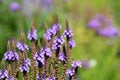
x=95 y=25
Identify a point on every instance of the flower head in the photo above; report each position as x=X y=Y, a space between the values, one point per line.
x=76 y=64
x=38 y=78
x=94 y=24
x=46 y=51
x=32 y=35
x=68 y=33
x=62 y=57
x=24 y=66
x=58 y=41
x=3 y=74
x=70 y=72
x=14 y=6
x=39 y=58
x=109 y=31
x=22 y=46
x=48 y=35
x=11 y=56
x=27 y=61
x=85 y=64
x=50 y=78
x=71 y=43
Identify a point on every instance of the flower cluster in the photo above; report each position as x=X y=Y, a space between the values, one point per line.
x=58 y=41
x=39 y=58
x=46 y=51
x=3 y=74
x=103 y=26
x=32 y=34
x=47 y=63
x=11 y=56
x=24 y=66
x=74 y=68
x=22 y=46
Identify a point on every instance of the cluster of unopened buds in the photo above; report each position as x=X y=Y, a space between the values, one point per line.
x=41 y=62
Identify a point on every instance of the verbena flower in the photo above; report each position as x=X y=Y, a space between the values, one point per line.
x=3 y=74
x=62 y=56
x=71 y=43
x=39 y=58
x=109 y=31
x=32 y=34
x=14 y=6
x=11 y=56
x=58 y=41
x=76 y=64
x=10 y=78
x=46 y=51
x=38 y=78
x=22 y=46
x=54 y=28
x=24 y=66
x=94 y=24
x=85 y=64
x=70 y=72
x=68 y=34
x=50 y=78
x=27 y=61
x=48 y=35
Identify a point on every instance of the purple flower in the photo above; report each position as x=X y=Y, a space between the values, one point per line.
x=11 y=56
x=14 y=6
x=3 y=74
x=46 y=51
x=76 y=64
x=38 y=78
x=94 y=24
x=109 y=31
x=85 y=64
x=58 y=41
x=62 y=57
x=70 y=72
x=22 y=46
x=68 y=34
x=27 y=61
x=39 y=58
x=48 y=35
x=55 y=28
x=10 y=78
x=32 y=34
x=50 y=78
x=24 y=66
x=71 y=43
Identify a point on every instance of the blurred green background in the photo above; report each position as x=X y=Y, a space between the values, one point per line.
x=88 y=45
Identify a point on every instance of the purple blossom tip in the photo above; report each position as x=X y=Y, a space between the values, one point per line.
x=94 y=24
x=11 y=56
x=14 y=6
x=24 y=66
x=110 y=32
x=46 y=51
x=62 y=57
x=22 y=46
x=68 y=34
x=58 y=41
x=71 y=43
x=70 y=72
x=76 y=64
x=32 y=34
x=3 y=74
x=39 y=58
